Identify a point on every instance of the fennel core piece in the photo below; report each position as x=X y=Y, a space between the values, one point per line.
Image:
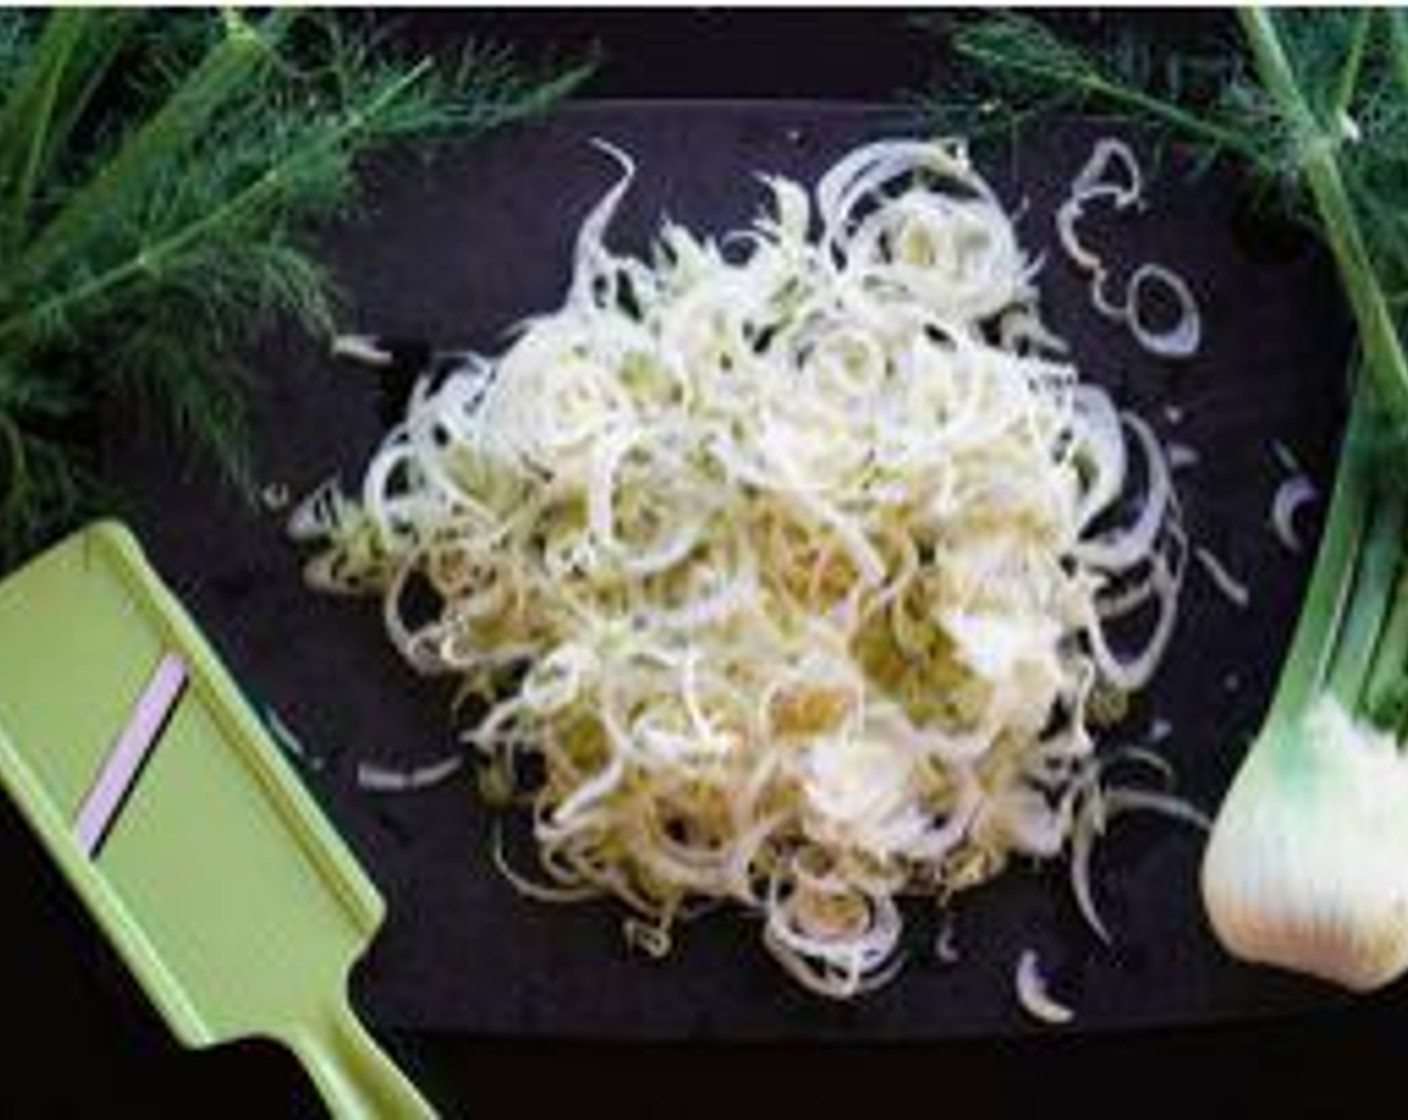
x=1307 y=866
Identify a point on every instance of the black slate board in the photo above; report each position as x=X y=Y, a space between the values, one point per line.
x=456 y=251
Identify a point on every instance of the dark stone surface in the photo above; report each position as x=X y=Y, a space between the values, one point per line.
x=455 y=252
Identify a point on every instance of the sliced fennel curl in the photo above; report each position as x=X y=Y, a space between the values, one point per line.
x=1033 y=995
x=793 y=570
x=1112 y=175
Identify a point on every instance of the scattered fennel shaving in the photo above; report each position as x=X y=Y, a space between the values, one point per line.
x=651 y=939
x=289 y=741
x=1032 y=993
x=1291 y=496
x=274 y=497
x=1098 y=807
x=792 y=569
x=362 y=349
x=1106 y=155
x=1233 y=589
x=1181 y=456
x=380 y=778
x=1286 y=457
x=1184 y=337
x=1293 y=493
x=946 y=941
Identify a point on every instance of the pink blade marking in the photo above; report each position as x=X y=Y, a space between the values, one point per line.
x=123 y=762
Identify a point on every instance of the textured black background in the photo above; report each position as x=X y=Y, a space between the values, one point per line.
x=428 y=259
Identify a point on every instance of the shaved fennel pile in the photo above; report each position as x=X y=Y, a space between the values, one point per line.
x=795 y=562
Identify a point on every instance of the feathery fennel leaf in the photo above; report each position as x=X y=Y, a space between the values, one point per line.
x=161 y=180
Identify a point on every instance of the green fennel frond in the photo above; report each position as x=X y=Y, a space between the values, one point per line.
x=1013 y=70
x=161 y=179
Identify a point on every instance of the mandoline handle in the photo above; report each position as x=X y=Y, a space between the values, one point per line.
x=354 y=1076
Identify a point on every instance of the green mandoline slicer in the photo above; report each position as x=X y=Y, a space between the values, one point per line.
x=134 y=757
